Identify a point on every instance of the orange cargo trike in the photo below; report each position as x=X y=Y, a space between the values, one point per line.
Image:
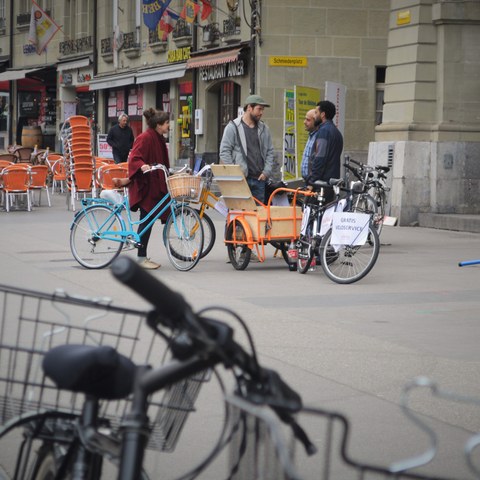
x=252 y=225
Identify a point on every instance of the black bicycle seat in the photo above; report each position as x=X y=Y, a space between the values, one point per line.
x=98 y=371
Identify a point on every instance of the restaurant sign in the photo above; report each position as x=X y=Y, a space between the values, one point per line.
x=178 y=55
x=237 y=68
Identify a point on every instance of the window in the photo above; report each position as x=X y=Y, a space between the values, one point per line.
x=78 y=18
x=379 y=94
x=230 y=101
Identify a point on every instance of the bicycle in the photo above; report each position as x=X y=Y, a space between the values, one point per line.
x=260 y=428
x=369 y=179
x=99 y=232
x=343 y=263
x=47 y=418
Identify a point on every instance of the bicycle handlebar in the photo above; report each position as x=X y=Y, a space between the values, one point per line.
x=210 y=336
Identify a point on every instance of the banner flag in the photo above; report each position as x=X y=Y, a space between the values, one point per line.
x=190 y=10
x=153 y=11
x=42 y=28
x=206 y=9
x=168 y=21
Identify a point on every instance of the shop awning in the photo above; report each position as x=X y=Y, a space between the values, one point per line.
x=112 y=81
x=17 y=74
x=165 y=72
x=74 y=64
x=211 y=59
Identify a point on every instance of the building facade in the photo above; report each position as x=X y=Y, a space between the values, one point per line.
x=400 y=63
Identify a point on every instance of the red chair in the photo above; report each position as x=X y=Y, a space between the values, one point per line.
x=39 y=182
x=59 y=175
x=15 y=183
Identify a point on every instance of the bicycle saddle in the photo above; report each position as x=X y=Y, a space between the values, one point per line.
x=98 y=371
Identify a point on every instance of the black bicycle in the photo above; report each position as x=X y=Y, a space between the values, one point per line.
x=342 y=261
x=370 y=189
x=261 y=424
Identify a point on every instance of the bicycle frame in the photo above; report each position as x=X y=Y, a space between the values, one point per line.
x=128 y=234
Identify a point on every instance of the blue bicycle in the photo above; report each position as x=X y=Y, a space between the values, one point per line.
x=99 y=231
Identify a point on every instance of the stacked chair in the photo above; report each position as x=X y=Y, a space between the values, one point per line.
x=76 y=137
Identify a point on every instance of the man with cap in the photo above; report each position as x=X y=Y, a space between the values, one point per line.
x=247 y=142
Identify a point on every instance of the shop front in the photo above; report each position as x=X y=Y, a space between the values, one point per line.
x=34 y=119
x=222 y=82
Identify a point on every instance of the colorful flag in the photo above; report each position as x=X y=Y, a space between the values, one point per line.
x=42 y=28
x=206 y=9
x=153 y=11
x=190 y=10
x=168 y=21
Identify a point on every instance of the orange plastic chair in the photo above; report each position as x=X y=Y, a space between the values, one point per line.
x=106 y=174
x=76 y=120
x=83 y=178
x=5 y=163
x=59 y=175
x=38 y=182
x=15 y=183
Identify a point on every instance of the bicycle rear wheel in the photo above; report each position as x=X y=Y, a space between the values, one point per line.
x=209 y=234
x=349 y=263
x=93 y=239
x=183 y=237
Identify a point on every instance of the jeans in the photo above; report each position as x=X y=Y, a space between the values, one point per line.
x=257 y=187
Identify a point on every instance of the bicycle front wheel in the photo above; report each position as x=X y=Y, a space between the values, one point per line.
x=183 y=237
x=95 y=238
x=349 y=263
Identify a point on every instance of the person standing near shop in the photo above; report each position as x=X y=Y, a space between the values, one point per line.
x=120 y=138
x=147 y=188
x=311 y=126
x=247 y=142
x=325 y=158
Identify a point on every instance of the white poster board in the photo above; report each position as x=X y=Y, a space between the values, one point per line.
x=337 y=93
x=103 y=148
x=350 y=228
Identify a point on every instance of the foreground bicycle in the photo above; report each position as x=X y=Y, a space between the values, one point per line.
x=99 y=232
x=260 y=430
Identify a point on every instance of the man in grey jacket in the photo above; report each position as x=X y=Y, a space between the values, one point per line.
x=247 y=142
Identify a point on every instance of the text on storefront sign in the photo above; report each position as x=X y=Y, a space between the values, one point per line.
x=224 y=70
x=178 y=55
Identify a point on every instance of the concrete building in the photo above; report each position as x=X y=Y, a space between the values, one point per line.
x=408 y=70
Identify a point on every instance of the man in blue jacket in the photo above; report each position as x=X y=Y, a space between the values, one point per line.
x=325 y=159
x=247 y=142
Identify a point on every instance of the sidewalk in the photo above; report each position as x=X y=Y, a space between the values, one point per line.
x=349 y=348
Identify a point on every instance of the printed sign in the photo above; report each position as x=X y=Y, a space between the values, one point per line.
x=103 y=148
x=350 y=228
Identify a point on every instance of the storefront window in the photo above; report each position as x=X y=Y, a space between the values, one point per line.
x=4 y=112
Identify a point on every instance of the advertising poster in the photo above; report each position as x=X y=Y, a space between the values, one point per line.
x=306 y=98
x=289 y=169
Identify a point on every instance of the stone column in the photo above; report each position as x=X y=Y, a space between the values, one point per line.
x=432 y=104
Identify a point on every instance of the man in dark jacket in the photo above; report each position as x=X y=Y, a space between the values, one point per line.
x=326 y=153
x=120 y=138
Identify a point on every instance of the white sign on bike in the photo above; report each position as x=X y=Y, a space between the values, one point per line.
x=350 y=228
x=327 y=219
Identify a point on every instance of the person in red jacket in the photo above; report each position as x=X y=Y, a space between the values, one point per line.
x=145 y=190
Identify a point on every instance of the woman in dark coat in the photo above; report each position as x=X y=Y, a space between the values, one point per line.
x=147 y=189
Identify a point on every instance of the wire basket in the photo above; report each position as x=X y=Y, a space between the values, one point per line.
x=32 y=323
x=183 y=186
